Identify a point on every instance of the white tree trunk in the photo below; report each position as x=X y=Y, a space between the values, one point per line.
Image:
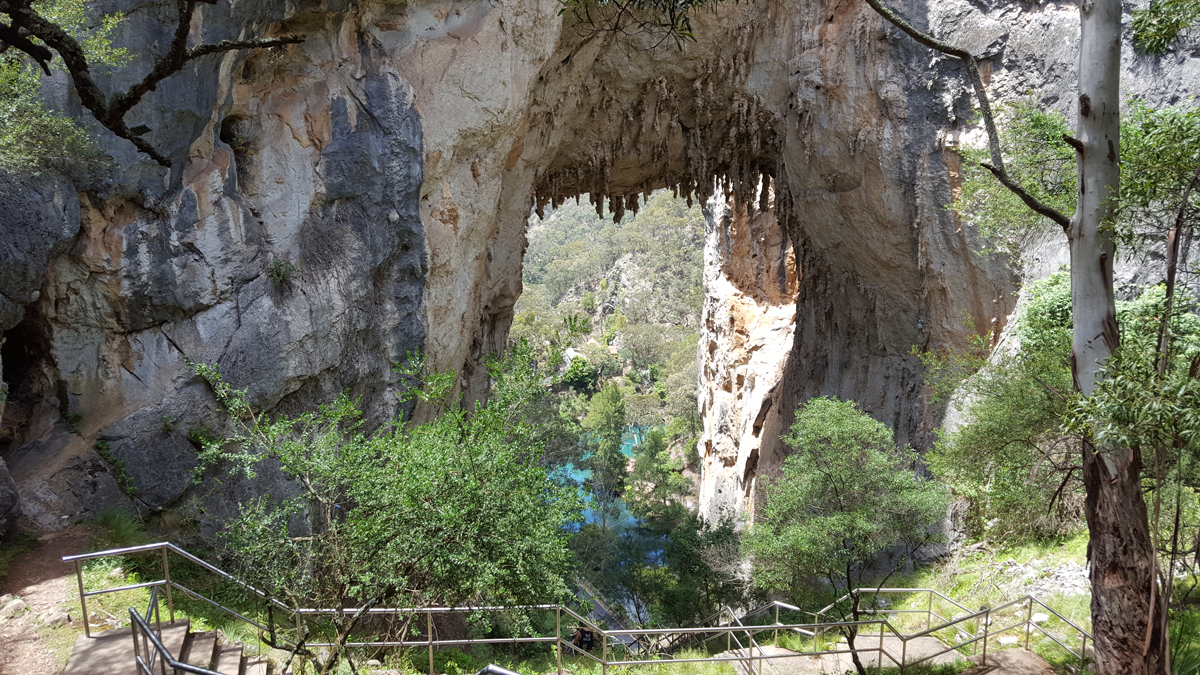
x=1092 y=250
x=1120 y=549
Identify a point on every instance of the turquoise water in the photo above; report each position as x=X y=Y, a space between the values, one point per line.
x=625 y=520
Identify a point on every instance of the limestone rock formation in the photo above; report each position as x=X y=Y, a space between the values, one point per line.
x=337 y=204
x=750 y=284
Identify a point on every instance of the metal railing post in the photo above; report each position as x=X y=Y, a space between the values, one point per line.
x=1082 y=651
x=777 y=624
x=429 y=636
x=558 y=646
x=929 y=612
x=167 y=578
x=987 y=620
x=903 y=652
x=1028 y=621
x=137 y=651
x=604 y=653
x=880 y=668
x=87 y=628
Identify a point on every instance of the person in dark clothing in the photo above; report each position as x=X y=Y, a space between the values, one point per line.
x=583 y=638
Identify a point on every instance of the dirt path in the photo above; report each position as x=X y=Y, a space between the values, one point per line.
x=42 y=580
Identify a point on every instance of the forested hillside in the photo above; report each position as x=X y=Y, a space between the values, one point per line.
x=637 y=284
x=633 y=289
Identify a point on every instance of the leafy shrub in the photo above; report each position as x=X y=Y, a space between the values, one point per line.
x=280 y=271
x=1012 y=456
x=1159 y=26
x=33 y=138
x=581 y=375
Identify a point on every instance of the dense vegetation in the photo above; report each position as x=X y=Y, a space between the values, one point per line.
x=630 y=395
x=846 y=495
x=32 y=137
x=1016 y=453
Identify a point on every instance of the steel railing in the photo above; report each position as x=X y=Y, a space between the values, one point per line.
x=613 y=651
x=148 y=648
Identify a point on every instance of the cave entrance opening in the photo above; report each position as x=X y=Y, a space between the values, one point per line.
x=635 y=285
x=24 y=356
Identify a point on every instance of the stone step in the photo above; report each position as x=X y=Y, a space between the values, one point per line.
x=112 y=651
x=229 y=659
x=201 y=650
x=256 y=667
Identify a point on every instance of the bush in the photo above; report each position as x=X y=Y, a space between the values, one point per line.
x=581 y=375
x=454 y=510
x=33 y=138
x=1012 y=456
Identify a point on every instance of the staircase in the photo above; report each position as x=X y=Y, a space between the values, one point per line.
x=112 y=652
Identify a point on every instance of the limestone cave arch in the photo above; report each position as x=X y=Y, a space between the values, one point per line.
x=813 y=104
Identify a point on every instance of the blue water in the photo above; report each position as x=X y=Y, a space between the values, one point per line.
x=625 y=520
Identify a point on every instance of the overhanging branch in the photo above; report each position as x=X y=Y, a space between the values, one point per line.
x=985 y=108
x=26 y=21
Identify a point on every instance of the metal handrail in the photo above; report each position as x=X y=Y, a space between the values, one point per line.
x=151 y=644
x=730 y=629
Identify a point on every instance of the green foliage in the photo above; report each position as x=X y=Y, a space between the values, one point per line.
x=124 y=481
x=686 y=571
x=457 y=509
x=1134 y=406
x=1012 y=456
x=119 y=529
x=946 y=370
x=1037 y=158
x=644 y=276
x=1012 y=421
x=1160 y=150
x=1185 y=642
x=33 y=138
x=662 y=246
x=202 y=437
x=581 y=375
x=74 y=420
x=605 y=422
x=280 y=271
x=657 y=483
x=1164 y=23
x=847 y=494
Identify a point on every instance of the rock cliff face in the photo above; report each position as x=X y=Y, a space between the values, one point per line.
x=892 y=274
x=747 y=331
x=336 y=204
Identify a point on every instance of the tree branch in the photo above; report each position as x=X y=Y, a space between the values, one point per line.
x=985 y=107
x=1163 y=346
x=15 y=37
x=111 y=112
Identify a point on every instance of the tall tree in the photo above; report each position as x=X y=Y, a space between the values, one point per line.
x=1128 y=614
x=846 y=494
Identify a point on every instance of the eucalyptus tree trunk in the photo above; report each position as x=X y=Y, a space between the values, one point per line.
x=1126 y=607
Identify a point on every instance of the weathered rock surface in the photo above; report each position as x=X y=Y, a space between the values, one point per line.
x=750 y=284
x=882 y=266
x=336 y=204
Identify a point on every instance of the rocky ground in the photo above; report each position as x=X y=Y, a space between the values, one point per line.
x=31 y=595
